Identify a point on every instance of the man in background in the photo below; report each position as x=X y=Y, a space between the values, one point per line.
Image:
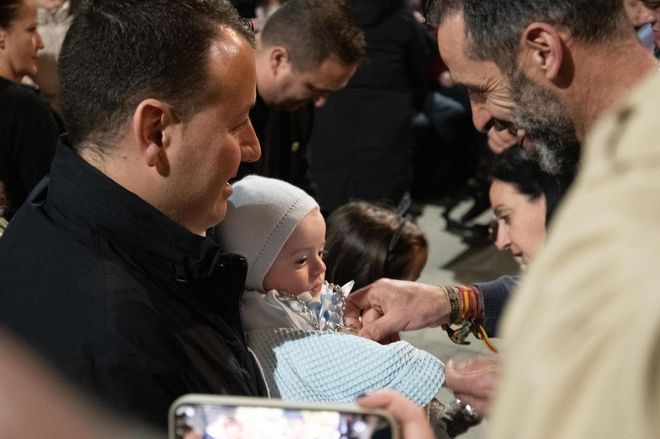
x=306 y=50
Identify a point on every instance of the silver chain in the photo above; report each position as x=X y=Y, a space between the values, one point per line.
x=336 y=289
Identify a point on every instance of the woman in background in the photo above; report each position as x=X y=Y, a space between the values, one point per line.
x=28 y=131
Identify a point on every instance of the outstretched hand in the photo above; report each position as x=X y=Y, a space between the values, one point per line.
x=388 y=306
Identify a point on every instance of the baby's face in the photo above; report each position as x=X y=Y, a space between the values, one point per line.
x=299 y=267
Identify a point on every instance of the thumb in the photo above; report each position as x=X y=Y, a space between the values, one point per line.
x=379 y=329
x=411 y=418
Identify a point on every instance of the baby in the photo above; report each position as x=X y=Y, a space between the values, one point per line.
x=293 y=319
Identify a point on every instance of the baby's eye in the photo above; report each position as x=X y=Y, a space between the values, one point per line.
x=301 y=261
x=322 y=253
x=506 y=219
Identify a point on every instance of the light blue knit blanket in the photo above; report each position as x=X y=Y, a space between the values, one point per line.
x=332 y=367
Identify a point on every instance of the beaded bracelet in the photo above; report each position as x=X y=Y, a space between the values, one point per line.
x=466 y=315
x=454 y=304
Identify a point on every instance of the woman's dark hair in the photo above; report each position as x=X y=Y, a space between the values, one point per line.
x=9 y=10
x=519 y=168
x=366 y=242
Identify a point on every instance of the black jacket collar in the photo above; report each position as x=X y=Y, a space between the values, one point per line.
x=87 y=197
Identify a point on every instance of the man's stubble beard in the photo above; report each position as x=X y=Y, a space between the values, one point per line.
x=547 y=125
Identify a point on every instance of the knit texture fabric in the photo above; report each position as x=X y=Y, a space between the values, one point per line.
x=333 y=367
x=261 y=215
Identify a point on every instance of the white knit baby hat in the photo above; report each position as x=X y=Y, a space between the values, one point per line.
x=261 y=215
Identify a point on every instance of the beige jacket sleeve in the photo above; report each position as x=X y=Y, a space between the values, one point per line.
x=583 y=358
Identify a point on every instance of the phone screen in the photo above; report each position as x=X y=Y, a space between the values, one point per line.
x=213 y=421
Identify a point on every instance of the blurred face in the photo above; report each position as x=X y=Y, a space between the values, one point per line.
x=297 y=88
x=637 y=13
x=490 y=95
x=654 y=7
x=521 y=221
x=299 y=266
x=19 y=44
x=207 y=150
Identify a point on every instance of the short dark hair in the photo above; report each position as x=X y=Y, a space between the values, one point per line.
x=120 y=52
x=494 y=27
x=518 y=167
x=9 y=11
x=435 y=11
x=313 y=31
x=367 y=241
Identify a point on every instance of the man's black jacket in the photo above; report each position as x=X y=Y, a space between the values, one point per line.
x=124 y=301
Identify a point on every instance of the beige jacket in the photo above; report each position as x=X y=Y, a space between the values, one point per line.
x=583 y=359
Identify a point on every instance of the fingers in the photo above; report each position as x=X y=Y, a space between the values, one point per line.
x=474 y=381
x=375 y=330
x=410 y=417
x=401 y=408
x=356 y=303
x=369 y=316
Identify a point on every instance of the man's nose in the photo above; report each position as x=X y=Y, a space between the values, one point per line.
x=40 y=42
x=481 y=117
x=250 y=147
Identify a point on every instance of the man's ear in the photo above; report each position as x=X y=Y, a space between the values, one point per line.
x=280 y=59
x=3 y=35
x=151 y=121
x=542 y=51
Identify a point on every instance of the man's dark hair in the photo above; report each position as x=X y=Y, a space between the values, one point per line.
x=314 y=30
x=494 y=27
x=519 y=168
x=120 y=52
x=9 y=11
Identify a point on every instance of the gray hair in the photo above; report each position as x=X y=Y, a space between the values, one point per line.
x=494 y=27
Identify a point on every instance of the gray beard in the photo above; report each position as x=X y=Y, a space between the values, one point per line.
x=557 y=152
x=547 y=126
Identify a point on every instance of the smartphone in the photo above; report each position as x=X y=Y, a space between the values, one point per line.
x=197 y=416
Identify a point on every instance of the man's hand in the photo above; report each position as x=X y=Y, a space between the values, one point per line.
x=388 y=306
x=474 y=381
x=412 y=420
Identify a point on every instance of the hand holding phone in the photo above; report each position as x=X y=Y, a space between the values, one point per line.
x=411 y=419
x=229 y=417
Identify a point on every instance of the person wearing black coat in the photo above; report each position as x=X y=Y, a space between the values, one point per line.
x=362 y=138
x=107 y=271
